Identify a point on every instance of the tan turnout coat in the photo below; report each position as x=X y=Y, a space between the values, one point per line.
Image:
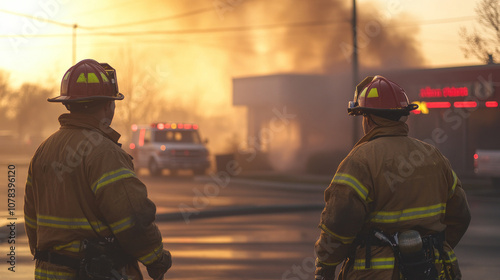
x=394 y=183
x=82 y=185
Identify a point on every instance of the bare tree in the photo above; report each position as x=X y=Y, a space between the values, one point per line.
x=141 y=84
x=483 y=43
x=35 y=117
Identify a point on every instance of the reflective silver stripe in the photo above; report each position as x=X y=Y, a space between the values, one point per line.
x=111 y=177
x=73 y=246
x=343 y=239
x=346 y=179
x=408 y=214
x=42 y=274
x=153 y=256
x=375 y=263
x=68 y=223
x=30 y=222
x=121 y=225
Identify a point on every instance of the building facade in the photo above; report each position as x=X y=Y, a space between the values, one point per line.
x=459 y=113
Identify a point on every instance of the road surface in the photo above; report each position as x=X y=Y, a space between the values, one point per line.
x=232 y=243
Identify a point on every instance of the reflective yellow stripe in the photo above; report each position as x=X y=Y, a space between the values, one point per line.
x=455 y=182
x=153 y=256
x=67 y=223
x=449 y=259
x=30 y=222
x=375 y=263
x=346 y=179
x=42 y=274
x=408 y=214
x=73 y=246
x=121 y=225
x=111 y=177
x=343 y=239
x=325 y=263
x=28 y=181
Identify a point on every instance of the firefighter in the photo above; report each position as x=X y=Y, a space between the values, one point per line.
x=87 y=215
x=388 y=184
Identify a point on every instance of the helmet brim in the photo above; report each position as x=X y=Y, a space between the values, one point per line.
x=358 y=111
x=77 y=99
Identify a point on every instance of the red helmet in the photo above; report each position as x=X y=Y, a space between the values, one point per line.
x=380 y=96
x=88 y=80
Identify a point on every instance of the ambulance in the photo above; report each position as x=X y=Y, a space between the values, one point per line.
x=487 y=164
x=173 y=146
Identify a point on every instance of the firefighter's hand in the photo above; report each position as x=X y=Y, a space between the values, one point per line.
x=157 y=269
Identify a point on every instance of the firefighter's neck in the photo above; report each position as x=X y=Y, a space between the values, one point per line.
x=368 y=124
x=106 y=113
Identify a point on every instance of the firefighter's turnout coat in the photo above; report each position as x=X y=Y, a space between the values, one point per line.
x=393 y=183
x=82 y=185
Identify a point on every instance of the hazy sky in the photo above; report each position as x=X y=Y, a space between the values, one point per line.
x=40 y=52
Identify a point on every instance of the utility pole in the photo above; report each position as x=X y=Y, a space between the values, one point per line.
x=74 y=43
x=355 y=70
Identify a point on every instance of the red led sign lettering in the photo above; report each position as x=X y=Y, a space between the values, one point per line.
x=437 y=105
x=491 y=104
x=429 y=92
x=465 y=104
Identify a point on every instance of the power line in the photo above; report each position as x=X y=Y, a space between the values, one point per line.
x=37 y=18
x=214 y=30
x=187 y=14
x=193 y=31
x=435 y=21
x=195 y=12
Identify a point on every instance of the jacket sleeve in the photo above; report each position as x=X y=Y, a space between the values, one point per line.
x=122 y=200
x=30 y=217
x=457 y=217
x=344 y=214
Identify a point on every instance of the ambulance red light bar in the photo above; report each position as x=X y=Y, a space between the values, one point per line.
x=491 y=104
x=465 y=104
x=438 y=105
x=162 y=126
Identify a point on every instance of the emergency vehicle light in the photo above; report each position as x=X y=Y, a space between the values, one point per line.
x=162 y=126
x=132 y=146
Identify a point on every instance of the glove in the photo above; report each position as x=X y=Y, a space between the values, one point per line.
x=157 y=269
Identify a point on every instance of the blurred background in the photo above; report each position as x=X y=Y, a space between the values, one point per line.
x=267 y=83
x=176 y=60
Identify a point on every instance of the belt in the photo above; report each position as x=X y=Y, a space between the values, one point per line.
x=58 y=259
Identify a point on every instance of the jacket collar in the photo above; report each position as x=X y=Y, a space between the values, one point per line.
x=385 y=127
x=89 y=122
